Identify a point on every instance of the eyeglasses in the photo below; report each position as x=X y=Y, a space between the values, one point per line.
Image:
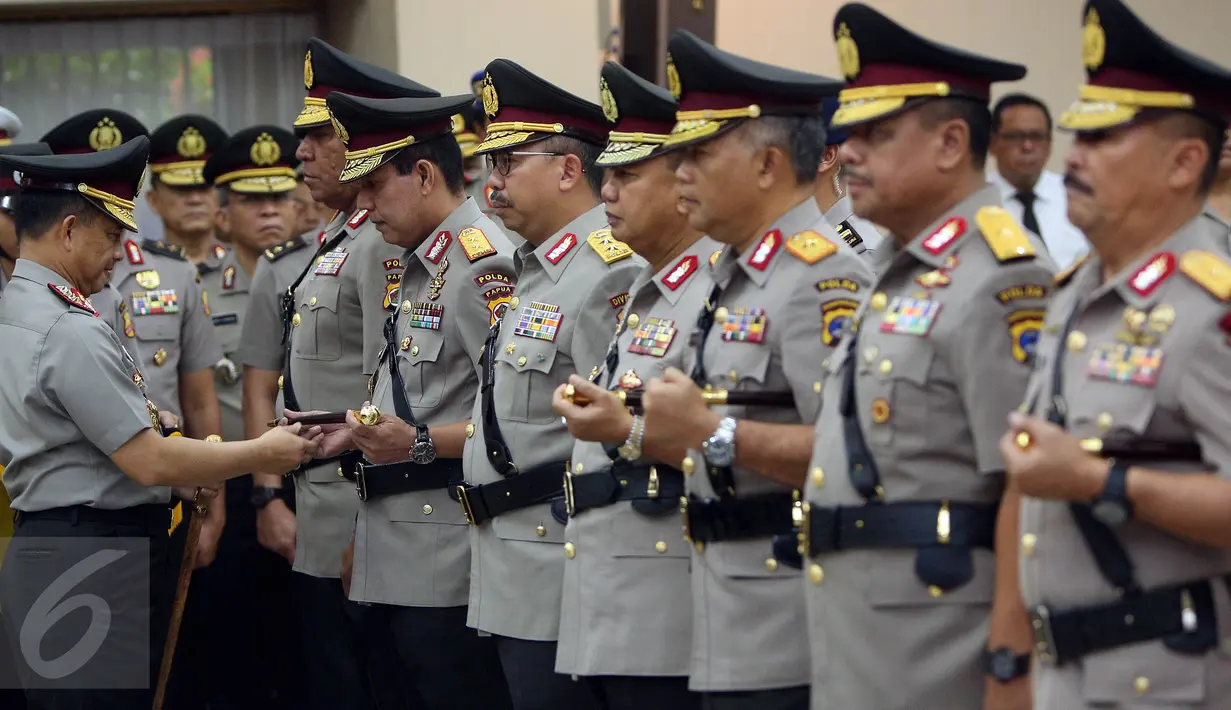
x=502 y=161
x=1019 y=137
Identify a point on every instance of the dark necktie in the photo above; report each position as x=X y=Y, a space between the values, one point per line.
x=1029 y=219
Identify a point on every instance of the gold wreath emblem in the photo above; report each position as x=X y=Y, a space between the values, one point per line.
x=105 y=135
x=265 y=150
x=848 y=52
x=145 y=174
x=610 y=110
x=1093 y=41
x=673 y=78
x=191 y=143
x=339 y=128
x=308 y=76
x=491 y=101
x=459 y=124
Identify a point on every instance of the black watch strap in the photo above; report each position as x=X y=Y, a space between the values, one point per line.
x=1115 y=489
x=1004 y=665
x=263 y=496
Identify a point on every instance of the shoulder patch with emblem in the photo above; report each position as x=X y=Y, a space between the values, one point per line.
x=173 y=251
x=357 y=219
x=74 y=298
x=1063 y=277
x=810 y=247
x=1021 y=292
x=1024 y=327
x=609 y=249
x=291 y=245
x=1210 y=271
x=1003 y=234
x=475 y=244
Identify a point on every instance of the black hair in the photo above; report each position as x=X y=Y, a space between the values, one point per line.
x=38 y=211
x=972 y=113
x=1190 y=125
x=1008 y=101
x=802 y=138
x=444 y=153
x=587 y=153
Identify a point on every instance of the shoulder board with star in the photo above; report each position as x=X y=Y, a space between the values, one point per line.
x=810 y=247
x=1064 y=276
x=1004 y=235
x=1210 y=271
x=287 y=247
x=608 y=248
x=73 y=297
x=173 y=251
x=475 y=244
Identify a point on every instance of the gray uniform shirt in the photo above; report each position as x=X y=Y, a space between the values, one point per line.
x=627 y=605
x=841 y=216
x=71 y=398
x=943 y=355
x=517 y=567
x=783 y=316
x=413 y=549
x=1162 y=380
x=167 y=312
x=336 y=337
x=261 y=343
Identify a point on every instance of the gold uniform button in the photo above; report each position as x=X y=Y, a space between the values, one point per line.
x=340 y=474
x=816 y=575
x=879 y=301
x=936 y=591
x=279 y=381
x=514 y=302
x=721 y=314
x=577 y=469
x=414 y=350
x=295 y=320
x=818 y=477
x=733 y=375
x=886 y=367
x=1077 y=341
x=1104 y=421
x=160 y=357
x=521 y=361
x=1141 y=684
x=540 y=531
x=406 y=306
x=660 y=547
x=406 y=343
x=1029 y=541
x=570 y=551
x=816 y=387
x=633 y=320
x=469 y=431
x=771 y=565
x=427 y=509
x=312 y=301
x=687 y=465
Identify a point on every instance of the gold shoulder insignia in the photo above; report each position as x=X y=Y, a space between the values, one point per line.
x=290 y=245
x=1210 y=271
x=1003 y=234
x=609 y=249
x=810 y=247
x=714 y=257
x=174 y=251
x=475 y=244
x=1063 y=277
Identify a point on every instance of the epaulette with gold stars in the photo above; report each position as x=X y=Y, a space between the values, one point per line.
x=290 y=245
x=1210 y=271
x=174 y=251
x=1063 y=277
x=475 y=244
x=810 y=247
x=1003 y=234
x=609 y=249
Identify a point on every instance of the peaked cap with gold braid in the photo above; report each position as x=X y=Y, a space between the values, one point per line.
x=180 y=147
x=257 y=160
x=93 y=130
x=327 y=69
x=641 y=114
x=375 y=130
x=524 y=108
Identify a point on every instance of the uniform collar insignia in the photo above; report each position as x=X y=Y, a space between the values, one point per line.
x=73 y=297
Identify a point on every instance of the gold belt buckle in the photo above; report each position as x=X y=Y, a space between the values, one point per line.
x=801 y=519
x=569 y=503
x=1044 y=641
x=465 y=503
x=361 y=483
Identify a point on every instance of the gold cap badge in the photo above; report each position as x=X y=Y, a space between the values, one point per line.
x=673 y=78
x=848 y=52
x=491 y=101
x=265 y=150
x=610 y=110
x=339 y=128
x=191 y=143
x=105 y=135
x=308 y=76
x=1093 y=41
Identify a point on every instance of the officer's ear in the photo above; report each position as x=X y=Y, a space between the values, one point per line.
x=572 y=172
x=151 y=199
x=425 y=171
x=65 y=230
x=222 y=220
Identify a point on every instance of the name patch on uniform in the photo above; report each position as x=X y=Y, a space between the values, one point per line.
x=618 y=302
x=330 y=263
x=226 y=319
x=835 y=315
x=1022 y=292
x=1128 y=364
x=653 y=338
x=497 y=291
x=148 y=279
x=152 y=303
x=837 y=285
x=426 y=315
x=491 y=277
x=745 y=325
x=910 y=316
x=1024 y=327
x=393 y=264
x=539 y=321
x=439 y=246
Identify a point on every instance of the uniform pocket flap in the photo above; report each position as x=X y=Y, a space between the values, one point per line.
x=747 y=559
x=533 y=524
x=528 y=354
x=327 y=473
x=895 y=579
x=160 y=327
x=324 y=295
x=423 y=507
x=1143 y=673
x=423 y=346
x=636 y=535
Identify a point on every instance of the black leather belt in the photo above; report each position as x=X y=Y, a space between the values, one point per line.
x=736 y=518
x=657 y=483
x=908 y=524
x=542 y=484
x=390 y=479
x=346 y=461
x=1182 y=616
x=154 y=518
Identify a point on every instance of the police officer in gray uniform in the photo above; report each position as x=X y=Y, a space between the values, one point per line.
x=458 y=273
x=784 y=286
x=1123 y=452
x=74 y=429
x=626 y=613
x=255 y=174
x=185 y=205
x=572 y=279
x=831 y=192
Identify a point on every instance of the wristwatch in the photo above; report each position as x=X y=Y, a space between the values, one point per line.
x=1003 y=665
x=719 y=449
x=631 y=450
x=263 y=495
x=1112 y=506
x=423 y=451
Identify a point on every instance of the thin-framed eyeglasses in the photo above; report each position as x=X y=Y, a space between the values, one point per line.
x=502 y=161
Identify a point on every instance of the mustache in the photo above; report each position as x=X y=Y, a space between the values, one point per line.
x=1072 y=182
x=500 y=199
